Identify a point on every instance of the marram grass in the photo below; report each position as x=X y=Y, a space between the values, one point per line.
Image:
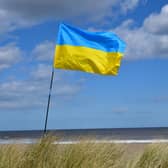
x=45 y=154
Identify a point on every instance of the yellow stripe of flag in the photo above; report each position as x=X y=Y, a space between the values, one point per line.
x=87 y=59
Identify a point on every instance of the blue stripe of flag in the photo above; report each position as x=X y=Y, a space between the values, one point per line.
x=105 y=41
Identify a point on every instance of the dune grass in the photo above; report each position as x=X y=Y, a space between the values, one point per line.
x=45 y=154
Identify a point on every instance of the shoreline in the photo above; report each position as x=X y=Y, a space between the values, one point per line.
x=64 y=142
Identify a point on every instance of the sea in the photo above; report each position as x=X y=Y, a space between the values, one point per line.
x=120 y=135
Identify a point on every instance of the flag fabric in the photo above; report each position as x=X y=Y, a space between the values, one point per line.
x=92 y=52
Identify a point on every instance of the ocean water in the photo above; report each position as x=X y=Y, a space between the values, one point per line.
x=127 y=135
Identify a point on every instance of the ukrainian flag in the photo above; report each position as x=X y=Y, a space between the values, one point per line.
x=93 y=52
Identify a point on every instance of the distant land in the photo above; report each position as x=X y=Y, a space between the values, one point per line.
x=99 y=134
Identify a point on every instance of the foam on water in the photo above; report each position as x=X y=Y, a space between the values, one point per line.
x=133 y=141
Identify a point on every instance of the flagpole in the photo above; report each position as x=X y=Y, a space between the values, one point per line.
x=48 y=104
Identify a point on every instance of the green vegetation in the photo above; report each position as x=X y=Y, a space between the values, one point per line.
x=45 y=154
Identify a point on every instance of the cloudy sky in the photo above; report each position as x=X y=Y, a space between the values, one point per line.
x=137 y=97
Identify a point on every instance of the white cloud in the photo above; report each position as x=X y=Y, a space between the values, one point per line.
x=44 y=51
x=21 y=13
x=33 y=92
x=127 y=5
x=11 y=21
x=157 y=23
x=9 y=55
x=120 y=110
x=42 y=71
x=145 y=41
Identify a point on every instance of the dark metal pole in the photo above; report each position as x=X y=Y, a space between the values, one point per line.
x=48 y=104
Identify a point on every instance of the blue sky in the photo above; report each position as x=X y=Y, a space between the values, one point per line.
x=137 y=97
